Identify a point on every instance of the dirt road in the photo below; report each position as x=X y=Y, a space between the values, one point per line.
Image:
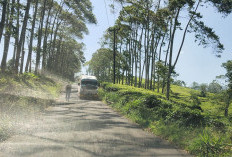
x=84 y=128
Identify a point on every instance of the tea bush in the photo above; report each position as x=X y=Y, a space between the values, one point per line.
x=181 y=120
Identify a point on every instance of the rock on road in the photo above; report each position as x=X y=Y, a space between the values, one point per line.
x=84 y=128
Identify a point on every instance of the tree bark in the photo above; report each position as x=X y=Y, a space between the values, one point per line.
x=170 y=54
x=160 y=50
x=22 y=58
x=3 y=19
x=17 y=33
x=38 y=49
x=8 y=23
x=184 y=35
x=31 y=38
x=22 y=36
x=45 y=39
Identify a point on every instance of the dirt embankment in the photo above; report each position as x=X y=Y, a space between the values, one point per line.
x=22 y=98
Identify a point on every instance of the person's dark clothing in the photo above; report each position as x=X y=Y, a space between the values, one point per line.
x=68 y=91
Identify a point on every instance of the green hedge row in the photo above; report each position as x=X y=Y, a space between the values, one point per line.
x=171 y=119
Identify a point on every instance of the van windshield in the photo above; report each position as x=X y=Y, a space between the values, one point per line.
x=85 y=82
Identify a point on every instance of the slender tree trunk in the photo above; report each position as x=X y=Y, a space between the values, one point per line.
x=38 y=50
x=145 y=57
x=52 y=34
x=45 y=39
x=31 y=38
x=9 y=21
x=184 y=35
x=22 y=36
x=152 y=57
x=22 y=58
x=4 y=12
x=166 y=58
x=17 y=33
x=132 y=58
x=170 y=54
x=158 y=75
x=54 y=56
x=129 y=60
x=58 y=55
x=227 y=108
x=147 y=49
x=140 y=59
x=136 y=57
x=154 y=53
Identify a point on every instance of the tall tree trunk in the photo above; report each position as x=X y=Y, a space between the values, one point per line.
x=50 y=49
x=54 y=56
x=159 y=59
x=17 y=33
x=22 y=36
x=147 y=49
x=22 y=58
x=170 y=54
x=227 y=108
x=9 y=20
x=167 y=53
x=4 y=12
x=58 y=54
x=140 y=59
x=32 y=37
x=136 y=57
x=184 y=35
x=38 y=49
x=152 y=56
x=145 y=57
x=154 y=53
x=45 y=38
x=132 y=58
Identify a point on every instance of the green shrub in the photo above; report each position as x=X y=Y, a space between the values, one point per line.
x=29 y=76
x=209 y=145
x=3 y=81
x=151 y=101
x=186 y=117
x=179 y=120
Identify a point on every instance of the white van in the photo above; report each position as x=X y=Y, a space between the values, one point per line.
x=88 y=87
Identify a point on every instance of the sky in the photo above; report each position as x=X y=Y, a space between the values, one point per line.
x=195 y=63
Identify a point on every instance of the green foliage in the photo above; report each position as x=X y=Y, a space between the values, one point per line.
x=195 y=86
x=195 y=99
x=214 y=87
x=207 y=37
x=203 y=89
x=228 y=96
x=151 y=101
x=223 y=6
x=28 y=76
x=209 y=145
x=100 y=64
x=179 y=120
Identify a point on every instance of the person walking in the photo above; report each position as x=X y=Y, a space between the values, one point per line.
x=68 y=91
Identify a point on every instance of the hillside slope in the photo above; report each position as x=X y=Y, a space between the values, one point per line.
x=197 y=126
x=22 y=98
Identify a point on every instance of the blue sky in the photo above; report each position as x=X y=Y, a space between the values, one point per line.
x=195 y=63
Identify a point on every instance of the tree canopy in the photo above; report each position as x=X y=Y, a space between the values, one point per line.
x=146 y=38
x=46 y=33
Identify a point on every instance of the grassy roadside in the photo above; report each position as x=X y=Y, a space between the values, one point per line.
x=22 y=98
x=191 y=126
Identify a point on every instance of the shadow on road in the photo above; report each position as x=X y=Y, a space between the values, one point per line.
x=87 y=128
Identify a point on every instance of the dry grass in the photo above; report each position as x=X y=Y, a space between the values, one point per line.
x=22 y=98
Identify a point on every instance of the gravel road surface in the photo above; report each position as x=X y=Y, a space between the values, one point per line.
x=84 y=128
